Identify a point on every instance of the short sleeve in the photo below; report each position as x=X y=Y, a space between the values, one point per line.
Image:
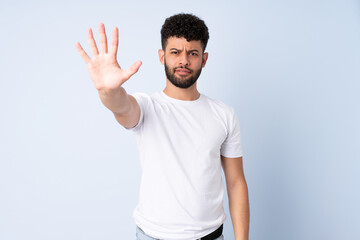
x=141 y=99
x=231 y=147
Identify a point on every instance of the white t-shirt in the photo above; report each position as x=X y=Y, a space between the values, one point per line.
x=180 y=143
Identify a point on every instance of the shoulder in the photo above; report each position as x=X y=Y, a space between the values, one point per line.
x=224 y=112
x=219 y=105
x=147 y=101
x=140 y=95
x=142 y=98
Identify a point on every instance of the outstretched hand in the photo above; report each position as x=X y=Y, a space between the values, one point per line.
x=103 y=67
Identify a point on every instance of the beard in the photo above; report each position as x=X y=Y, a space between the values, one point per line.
x=181 y=82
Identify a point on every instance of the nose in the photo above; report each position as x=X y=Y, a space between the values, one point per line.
x=184 y=59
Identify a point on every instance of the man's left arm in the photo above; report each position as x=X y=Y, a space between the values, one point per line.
x=238 y=196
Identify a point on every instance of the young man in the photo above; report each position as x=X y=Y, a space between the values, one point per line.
x=184 y=137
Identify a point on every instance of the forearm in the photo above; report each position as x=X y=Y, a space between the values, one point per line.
x=116 y=100
x=239 y=209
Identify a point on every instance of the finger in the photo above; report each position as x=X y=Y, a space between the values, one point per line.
x=103 y=40
x=83 y=54
x=114 y=41
x=92 y=42
x=132 y=69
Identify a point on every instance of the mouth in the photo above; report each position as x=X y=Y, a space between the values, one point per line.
x=182 y=71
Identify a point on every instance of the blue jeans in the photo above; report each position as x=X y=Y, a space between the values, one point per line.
x=140 y=235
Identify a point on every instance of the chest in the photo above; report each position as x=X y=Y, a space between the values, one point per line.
x=196 y=128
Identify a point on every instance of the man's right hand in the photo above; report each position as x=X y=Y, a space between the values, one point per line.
x=108 y=77
x=104 y=69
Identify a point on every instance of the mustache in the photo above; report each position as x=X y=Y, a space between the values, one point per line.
x=184 y=68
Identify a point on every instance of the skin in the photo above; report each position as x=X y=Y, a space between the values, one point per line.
x=181 y=53
x=108 y=77
x=238 y=196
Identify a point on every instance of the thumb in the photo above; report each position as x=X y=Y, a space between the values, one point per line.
x=132 y=69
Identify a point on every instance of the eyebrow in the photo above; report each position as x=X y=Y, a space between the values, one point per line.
x=179 y=50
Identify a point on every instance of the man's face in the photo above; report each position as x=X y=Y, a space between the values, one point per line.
x=183 y=61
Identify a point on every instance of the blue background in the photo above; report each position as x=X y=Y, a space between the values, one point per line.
x=290 y=69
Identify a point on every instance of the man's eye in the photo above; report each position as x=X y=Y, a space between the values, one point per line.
x=174 y=52
x=193 y=54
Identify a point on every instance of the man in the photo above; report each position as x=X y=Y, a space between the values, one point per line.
x=184 y=137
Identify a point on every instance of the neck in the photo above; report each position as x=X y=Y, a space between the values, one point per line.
x=185 y=94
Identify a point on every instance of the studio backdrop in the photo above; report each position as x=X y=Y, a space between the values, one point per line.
x=290 y=69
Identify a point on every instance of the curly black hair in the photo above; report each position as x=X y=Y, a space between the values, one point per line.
x=187 y=26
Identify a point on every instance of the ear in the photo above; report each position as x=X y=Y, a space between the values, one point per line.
x=204 y=58
x=161 y=56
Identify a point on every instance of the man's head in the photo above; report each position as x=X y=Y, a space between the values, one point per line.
x=184 y=38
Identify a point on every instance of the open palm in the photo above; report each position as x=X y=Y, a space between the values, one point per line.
x=103 y=67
